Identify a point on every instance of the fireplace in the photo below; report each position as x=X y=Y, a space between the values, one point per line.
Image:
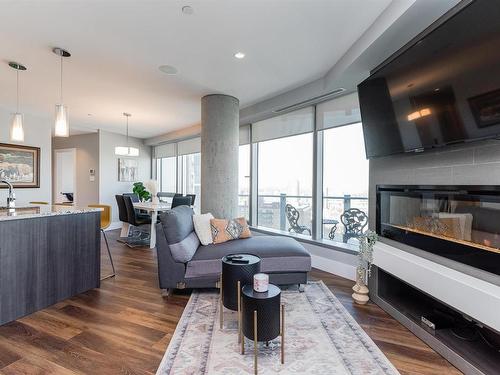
x=461 y=223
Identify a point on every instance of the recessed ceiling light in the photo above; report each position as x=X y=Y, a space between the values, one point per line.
x=168 y=69
x=239 y=55
x=187 y=10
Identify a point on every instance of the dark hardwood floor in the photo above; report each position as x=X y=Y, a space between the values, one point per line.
x=125 y=326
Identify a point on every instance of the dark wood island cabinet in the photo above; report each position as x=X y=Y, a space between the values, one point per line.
x=47 y=254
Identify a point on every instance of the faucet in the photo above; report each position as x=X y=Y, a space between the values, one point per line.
x=11 y=199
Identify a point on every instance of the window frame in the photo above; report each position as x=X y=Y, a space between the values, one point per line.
x=316 y=237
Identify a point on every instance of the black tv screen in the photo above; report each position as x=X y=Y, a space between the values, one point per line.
x=444 y=89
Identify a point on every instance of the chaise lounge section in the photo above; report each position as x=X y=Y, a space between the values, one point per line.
x=283 y=258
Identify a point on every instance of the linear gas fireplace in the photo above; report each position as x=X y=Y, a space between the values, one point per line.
x=461 y=223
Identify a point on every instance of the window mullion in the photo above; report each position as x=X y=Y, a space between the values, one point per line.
x=253 y=201
x=317 y=199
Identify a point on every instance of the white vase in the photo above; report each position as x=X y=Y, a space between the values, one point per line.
x=360 y=290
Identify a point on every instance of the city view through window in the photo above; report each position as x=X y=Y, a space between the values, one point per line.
x=285 y=177
x=244 y=181
x=345 y=180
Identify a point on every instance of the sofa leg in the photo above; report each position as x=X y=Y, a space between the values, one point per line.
x=302 y=288
x=166 y=292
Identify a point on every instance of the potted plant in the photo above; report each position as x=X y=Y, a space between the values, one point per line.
x=365 y=260
x=141 y=191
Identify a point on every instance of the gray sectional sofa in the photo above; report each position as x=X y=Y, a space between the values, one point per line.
x=283 y=258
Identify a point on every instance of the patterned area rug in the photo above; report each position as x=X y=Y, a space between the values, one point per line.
x=320 y=338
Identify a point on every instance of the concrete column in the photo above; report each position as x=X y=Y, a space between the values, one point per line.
x=219 y=155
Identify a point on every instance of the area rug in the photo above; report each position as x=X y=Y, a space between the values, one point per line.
x=320 y=338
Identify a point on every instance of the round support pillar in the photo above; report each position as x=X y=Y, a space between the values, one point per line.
x=219 y=155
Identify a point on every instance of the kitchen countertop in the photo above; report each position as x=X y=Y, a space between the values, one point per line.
x=29 y=211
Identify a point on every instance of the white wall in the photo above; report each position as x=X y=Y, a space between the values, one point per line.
x=109 y=185
x=333 y=261
x=37 y=132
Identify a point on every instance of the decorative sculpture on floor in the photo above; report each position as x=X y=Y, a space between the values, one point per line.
x=354 y=221
x=363 y=271
x=293 y=219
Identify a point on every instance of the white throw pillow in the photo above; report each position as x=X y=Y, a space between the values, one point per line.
x=202 y=228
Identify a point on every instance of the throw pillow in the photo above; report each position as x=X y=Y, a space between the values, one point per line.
x=177 y=225
x=226 y=230
x=202 y=228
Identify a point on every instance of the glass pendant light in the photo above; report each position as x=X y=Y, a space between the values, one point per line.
x=61 y=125
x=126 y=150
x=16 y=125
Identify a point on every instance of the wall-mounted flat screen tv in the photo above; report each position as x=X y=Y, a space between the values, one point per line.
x=444 y=89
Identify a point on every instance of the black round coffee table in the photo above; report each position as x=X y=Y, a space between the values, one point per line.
x=262 y=317
x=236 y=272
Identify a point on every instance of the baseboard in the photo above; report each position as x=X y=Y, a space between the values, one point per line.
x=334 y=267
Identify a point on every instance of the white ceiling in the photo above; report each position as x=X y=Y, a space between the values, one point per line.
x=117 y=46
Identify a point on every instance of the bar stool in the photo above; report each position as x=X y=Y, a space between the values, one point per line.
x=105 y=223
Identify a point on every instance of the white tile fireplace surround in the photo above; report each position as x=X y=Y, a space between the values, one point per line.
x=475 y=163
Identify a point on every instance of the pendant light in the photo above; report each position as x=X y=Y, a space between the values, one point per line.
x=126 y=150
x=16 y=125
x=61 y=125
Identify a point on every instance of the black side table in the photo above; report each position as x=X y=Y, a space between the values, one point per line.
x=262 y=318
x=234 y=275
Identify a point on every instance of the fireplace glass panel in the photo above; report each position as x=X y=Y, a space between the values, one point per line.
x=461 y=222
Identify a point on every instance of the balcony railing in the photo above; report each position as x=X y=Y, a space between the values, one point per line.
x=272 y=213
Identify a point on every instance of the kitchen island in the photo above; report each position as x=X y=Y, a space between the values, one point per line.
x=47 y=254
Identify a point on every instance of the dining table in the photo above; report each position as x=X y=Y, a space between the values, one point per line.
x=152 y=208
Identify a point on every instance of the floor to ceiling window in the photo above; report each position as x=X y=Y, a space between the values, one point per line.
x=345 y=182
x=166 y=167
x=191 y=164
x=190 y=169
x=168 y=174
x=244 y=181
x=345 y=170
x=289 y=192
x=285 y=154
x=178 y=168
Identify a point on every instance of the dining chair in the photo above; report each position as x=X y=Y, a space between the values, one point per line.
x=122 y=210
x=138 y=221
x=105 y=223
x=164 y=197
x=181 y=201
x=133 y=196
x=193 y=198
